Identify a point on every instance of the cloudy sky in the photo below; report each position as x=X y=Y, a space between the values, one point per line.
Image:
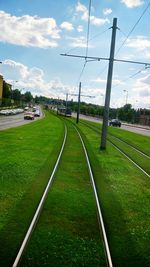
x=34 y=33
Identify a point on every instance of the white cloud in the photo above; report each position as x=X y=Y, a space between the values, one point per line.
x=29 y=31
x=141 y=91
x=31 y=79
x=145 y=80
x=66 y=26
x=78 y=42
x=132 y=3
x=98 y=80
x=80 y=28
x=98 y=21
x=94 y=20
x=115 y=81
x=107 y=11
x=140 y=43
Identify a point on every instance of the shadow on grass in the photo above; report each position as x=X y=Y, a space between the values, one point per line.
x=12 y=234
x=122 y=246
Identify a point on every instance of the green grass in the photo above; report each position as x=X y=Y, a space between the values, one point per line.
x=137 y=157
x=137 y=140
x=28 y=154
x=68 y=232
x=124 y=195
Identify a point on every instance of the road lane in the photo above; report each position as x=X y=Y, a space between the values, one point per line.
x=12 y=121
x=135 y=129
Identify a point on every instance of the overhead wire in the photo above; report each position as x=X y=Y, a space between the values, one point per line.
x=131 y=76
x=87 y=43
x=90 y=39
x=133 y=28
x=88 y=28
x=127 y=36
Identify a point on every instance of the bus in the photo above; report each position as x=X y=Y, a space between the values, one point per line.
x=63 y=111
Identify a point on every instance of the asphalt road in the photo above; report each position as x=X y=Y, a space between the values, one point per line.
x=7 y=122
x=140 y=129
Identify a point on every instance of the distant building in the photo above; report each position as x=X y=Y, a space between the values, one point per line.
x=144 y=117
x=10 y=86
x=1 y=87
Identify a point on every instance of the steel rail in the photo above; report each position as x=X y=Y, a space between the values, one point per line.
x=136 y=149
x=129 y=159
x=39 y=208
x=100 y=217
x=123 y=153
x=139 y=151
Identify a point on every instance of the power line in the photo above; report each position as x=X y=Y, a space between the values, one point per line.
x=87 y=43
x=130 y=77
x=90 y=39
x=81 y=73
x=88 y=28
x=133 y=28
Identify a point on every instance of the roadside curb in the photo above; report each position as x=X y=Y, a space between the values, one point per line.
x=136 y=126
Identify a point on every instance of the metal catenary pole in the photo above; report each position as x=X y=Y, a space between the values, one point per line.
x=108 y=86
x=78 y=111
x=66 y=103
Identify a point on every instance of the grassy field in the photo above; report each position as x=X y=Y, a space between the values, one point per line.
x=137 y=157
x=137 y=140
x=124 y=195
x=68 y=232
x=27 y=154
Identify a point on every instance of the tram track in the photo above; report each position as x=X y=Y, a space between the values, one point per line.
x=36 y=216
x=100 y=216
x=39 y=208
x=124 y=152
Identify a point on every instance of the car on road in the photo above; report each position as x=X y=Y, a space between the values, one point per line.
x=37 y=113
x=28 y=116
x=115 y=122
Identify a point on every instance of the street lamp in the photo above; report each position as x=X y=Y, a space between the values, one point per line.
x=13 y=88
x=79 y=95
x=14 y=84
x=102 y=99
x=126 y=96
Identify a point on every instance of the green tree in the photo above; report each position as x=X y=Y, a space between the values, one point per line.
x=28 y=97
x=126 y=113
x=6 y=90
x=16 y=95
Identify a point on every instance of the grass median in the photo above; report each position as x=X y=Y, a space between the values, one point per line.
x=124 y=195
x=138 y=158
x=68 y=233
x=28 y=154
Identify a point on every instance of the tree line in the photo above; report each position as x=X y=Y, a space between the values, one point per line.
x=126 y=113
x=15 y=96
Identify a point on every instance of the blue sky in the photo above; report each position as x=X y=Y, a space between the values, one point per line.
x=34 y=33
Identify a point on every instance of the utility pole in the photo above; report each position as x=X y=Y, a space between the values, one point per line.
x=66 y=102
x=126 y=96
x=78 y=111
x=108 y=87
x=79 y=96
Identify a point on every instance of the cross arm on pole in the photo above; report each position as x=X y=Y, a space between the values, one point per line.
x=88 y=96
x=85 y=57
x=104 y=58
x=82 y=95
x=132 y=62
